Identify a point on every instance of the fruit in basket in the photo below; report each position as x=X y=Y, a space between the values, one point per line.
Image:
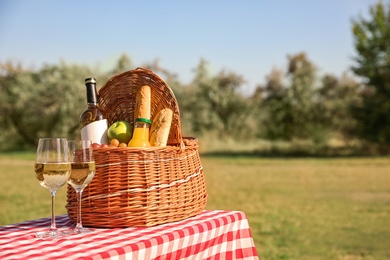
x=120 y=130
x=114 y=142
x=95 y=145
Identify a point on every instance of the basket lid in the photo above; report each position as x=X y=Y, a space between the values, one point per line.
x=117 y=98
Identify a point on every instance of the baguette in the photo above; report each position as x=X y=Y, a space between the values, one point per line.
x=159 y=131
x=142 y=103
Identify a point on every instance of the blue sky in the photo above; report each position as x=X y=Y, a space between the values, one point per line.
x=247 y=37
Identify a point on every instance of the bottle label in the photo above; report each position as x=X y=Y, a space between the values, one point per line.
x=96 y=132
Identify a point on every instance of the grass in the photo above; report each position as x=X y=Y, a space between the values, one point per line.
x=21 y=196
x=308 y=208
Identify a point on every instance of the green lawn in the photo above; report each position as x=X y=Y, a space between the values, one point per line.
x=297 y=208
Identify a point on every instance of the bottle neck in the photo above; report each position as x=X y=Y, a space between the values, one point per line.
x=142 y=125
x=91 y=94
x=92 y=104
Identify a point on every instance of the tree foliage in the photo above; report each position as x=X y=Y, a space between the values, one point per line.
x=219 y=104
x=48 y=102
x=372 y=63
x=336 y=97
x=290 y=101
x=41 y=103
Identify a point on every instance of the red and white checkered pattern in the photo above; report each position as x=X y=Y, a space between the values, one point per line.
x=210 y=235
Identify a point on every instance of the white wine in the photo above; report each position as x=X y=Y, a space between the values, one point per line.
x=81 y=175
x=93 y=122
x=52 y=176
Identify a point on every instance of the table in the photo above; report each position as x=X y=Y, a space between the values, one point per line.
x=213 y=234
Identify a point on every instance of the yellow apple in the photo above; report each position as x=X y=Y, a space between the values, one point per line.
x=121 y=130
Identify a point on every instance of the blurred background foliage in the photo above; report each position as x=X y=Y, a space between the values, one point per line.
x=294 y=106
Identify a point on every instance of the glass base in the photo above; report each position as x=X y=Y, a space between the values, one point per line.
x=82 y=230
x=53 y=234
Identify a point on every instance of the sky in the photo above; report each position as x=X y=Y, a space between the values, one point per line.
x=247 y=37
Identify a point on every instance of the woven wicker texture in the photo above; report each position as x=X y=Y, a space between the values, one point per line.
x=142 y=186
x=117 y=98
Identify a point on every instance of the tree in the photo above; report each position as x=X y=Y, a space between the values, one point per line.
x=272 y=105
x=124 y=64
x=198 y=109
x=372 y=63
x=289 y=105
x=301 y=93
x=42 y=103
x=219 y=104
x=335 y=98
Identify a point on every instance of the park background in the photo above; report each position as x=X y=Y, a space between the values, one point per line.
x=290 y=102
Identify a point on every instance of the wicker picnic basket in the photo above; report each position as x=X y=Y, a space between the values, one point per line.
x=141 y=186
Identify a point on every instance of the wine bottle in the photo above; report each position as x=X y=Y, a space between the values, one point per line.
x=93 y=121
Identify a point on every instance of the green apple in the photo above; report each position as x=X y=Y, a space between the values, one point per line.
x=121 y=130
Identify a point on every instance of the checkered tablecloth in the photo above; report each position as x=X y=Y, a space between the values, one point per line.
x=210 y=235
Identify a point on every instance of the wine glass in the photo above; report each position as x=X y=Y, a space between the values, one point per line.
x=83 y=171
x=52 y=169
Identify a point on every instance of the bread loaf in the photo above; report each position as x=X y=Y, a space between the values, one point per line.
x=142 y=103
x=161 y=125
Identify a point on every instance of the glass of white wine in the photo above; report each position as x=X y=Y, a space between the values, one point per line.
x=52 y=169
x=83 y=171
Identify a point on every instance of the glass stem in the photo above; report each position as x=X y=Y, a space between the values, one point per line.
x=79 y=221
x=53 y=216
